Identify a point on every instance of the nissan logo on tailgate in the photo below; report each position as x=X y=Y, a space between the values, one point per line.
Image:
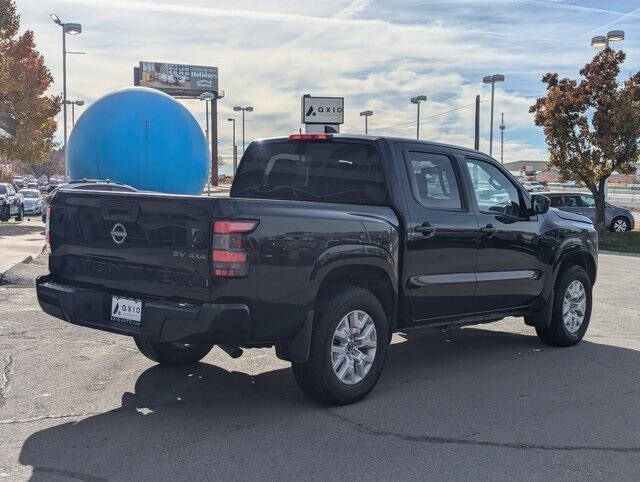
x=118 y=233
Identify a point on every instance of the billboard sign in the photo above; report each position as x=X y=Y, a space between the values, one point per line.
x=322 y=110
x=180 y=80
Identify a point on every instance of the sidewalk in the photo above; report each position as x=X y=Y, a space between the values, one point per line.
x=18 y=241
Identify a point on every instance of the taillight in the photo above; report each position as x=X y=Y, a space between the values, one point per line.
x=311 y=137
x=230 y=260
x=47 y=229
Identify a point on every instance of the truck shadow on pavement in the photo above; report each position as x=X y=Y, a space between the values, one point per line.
x=17 y=229
x=441 y=392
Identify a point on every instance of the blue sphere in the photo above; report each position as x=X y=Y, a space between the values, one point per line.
x=141 y=137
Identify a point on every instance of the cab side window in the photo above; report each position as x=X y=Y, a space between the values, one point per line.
x=557 y=201
x=433 y=180
x=587 y=202
x=495 y=193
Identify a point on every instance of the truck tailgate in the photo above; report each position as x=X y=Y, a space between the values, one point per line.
x=150 y=244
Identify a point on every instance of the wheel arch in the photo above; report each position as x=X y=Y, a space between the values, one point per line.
x=581 y=258
x=368 y=267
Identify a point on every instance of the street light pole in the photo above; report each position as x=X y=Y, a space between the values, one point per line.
x=73 y=112
x=64 y=94
x=235 y=151
x=416 y=100
x=366 y=115
x=492 y=79
x=502 y=140
x=208 y=97
x=71 y=29
x=244 y=109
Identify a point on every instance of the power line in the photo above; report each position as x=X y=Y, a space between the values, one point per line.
x=429 y=116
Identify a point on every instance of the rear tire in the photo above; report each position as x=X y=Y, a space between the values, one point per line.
x=571 y=309
x=172 y=354
x=620 y=224
x=347 y=347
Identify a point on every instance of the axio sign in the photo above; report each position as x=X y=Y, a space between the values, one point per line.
x=322 y=110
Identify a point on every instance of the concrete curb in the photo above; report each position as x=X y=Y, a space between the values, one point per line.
x=619 y=253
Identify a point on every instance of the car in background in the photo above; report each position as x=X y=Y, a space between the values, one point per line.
x=616 y=219
x=43 y=187
x=18 y=182
x=86 y=184
x=10 y=202
x=533 y=186
x=32 y=201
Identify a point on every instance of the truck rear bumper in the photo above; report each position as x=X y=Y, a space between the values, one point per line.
x=169 y=321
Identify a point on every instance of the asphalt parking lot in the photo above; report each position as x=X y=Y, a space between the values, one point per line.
x=487 y=402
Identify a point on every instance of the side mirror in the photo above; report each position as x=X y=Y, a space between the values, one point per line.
x=539 y=204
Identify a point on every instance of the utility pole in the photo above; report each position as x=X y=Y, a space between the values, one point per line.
x=502 y=140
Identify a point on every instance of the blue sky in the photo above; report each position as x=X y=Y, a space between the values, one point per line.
x=377 y=54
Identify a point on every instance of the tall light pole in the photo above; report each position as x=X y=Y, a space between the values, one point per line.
x=74 y=103
x=71 y=29
x=492 y=79
x=602 y=41
x=502 y=140
x=235 y=148
x=366 y=114
x=244 y=109
x=416 y=100
x=207 y=97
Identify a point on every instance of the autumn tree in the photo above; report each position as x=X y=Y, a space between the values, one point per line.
x=53 y=164
x=592 y=127
x=24 y=79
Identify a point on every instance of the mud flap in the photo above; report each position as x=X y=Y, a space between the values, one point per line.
x=542 y=318
x=297 y=348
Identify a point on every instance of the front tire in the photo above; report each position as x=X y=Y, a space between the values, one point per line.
x=571 y=309
x=172 y=354
x=348 y=348
x=620 y=225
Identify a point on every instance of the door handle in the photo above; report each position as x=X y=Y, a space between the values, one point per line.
x=426 y=229
x=489 y=230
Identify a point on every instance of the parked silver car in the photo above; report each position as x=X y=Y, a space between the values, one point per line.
x=32 y=201
x=533 y=186
x=615 y=218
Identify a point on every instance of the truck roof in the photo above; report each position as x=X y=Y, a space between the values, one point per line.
x=392 y=139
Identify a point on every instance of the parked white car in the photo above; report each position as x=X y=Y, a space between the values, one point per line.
x=533 y=186
x=32 y=201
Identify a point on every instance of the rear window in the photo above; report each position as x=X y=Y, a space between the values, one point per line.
x=331 y=171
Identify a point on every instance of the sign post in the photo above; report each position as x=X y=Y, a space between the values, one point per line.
x=322 y=114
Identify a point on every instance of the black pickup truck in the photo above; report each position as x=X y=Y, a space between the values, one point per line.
x=325 y=247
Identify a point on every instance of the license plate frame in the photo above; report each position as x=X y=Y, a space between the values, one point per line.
x=127 y=311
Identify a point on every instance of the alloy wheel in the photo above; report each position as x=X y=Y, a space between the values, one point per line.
x=574 y=306
x=353 y=348
x=619 y=225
